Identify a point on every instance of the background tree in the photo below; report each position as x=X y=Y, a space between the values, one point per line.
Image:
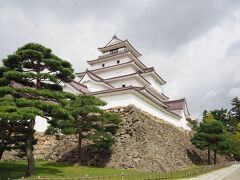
x=235 y=111
x=234 y=116
x=40 y=72
x=200 y=140
x=194 y=123
x=236 y=145
x=220 y=115
x=210 y=135
x=208 y=117
x=234 y=126
x=89 y=122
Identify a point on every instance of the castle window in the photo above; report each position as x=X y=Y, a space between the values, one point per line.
x=114 y=51
x=118 y=61
x=103 y=65
x=123 y=85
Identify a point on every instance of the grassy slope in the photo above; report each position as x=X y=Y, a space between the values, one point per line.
x=50 y=169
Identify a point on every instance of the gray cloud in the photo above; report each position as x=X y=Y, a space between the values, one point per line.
x=170 y=24
x=233 y=50
x=166 y=32
x=151 y=24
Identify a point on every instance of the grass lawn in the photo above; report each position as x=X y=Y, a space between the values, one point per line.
x=47 y=169
x=51 y=169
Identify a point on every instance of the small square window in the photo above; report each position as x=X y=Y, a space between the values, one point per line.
x=123 y=85
x=118 y=61
x=113 y=51
x=103 y=65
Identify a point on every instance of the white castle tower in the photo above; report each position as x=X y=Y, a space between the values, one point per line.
x=119 y=78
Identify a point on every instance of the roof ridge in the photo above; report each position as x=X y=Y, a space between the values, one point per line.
x=114 y=37
x=79 y=83
x=101 y=79
x=138 y=89
x=128 y=75
x=176 y=100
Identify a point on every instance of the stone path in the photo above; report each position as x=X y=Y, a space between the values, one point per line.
x=233 y=176
x=228 y=173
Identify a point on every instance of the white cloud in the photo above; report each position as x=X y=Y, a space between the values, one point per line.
x=194 y=45
x=234 y=92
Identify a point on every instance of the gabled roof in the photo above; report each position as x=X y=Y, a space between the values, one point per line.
x=128 y=75
x=152 y=70
x=157 y=93
x=113 y=41
x=139 y=89
x=116 y=43
x=94 y=77
x=138 y=73
x=78 y=86
x=180 y=104
x=115 y=55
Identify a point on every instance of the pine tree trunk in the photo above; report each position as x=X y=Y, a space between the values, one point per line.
x=29 y=149
x=38 y=80
x=38 y=84
x=1 y=153
x=215 y=157
x=209 y=156
x=79 y=146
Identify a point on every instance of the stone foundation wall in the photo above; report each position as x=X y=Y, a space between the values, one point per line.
x=143 y=142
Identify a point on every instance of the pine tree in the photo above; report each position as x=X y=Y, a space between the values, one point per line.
x=8 y=128
x=40 y=72
x=193 y=123
x=89 y=122
x=235 y=111
x=11 y=136
x=211 y=135
x=220 y=115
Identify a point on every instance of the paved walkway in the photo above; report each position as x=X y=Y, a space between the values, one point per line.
x=228 y=173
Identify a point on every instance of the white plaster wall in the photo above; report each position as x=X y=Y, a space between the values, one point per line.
x=40 y=124
x=116 y=71
x=70 y=89
x=133 y=81
x=125 y=100
x=130 y=98
x=91 y=85
x=111 y=61
x=156 y=85
x=183 y=120
x=95 y=87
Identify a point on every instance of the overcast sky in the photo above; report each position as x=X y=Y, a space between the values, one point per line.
x=193 y=44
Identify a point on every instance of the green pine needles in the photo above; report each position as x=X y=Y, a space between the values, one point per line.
x=30 y=86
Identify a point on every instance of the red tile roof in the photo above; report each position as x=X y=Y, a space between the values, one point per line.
x=179 y=104
x=176 y=104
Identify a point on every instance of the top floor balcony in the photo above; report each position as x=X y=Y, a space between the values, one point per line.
x=113 y=53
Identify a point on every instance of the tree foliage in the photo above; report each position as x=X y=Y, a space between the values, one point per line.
x=211 y=135
x=235 y=111
x=31 y=77
x=89 y=121
x=36 y=66
x=220 y=131
x=193 y=123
